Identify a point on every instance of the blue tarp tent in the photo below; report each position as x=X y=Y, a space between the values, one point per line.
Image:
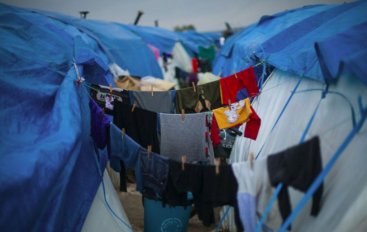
x=50 y=170
x=165 y=40
x=293 y=50
x=120 y=45
x=325 y=44
x=238 y=50
x=298 y=41
x=160 y=38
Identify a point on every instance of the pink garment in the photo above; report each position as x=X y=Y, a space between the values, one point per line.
x=155 y=51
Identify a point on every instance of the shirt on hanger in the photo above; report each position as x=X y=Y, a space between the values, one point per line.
x=233 y=115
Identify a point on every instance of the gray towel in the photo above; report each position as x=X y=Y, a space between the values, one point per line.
x=160 y=102
x=185 y=137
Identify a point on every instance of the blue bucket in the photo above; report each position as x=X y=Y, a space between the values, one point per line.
x=165 y=219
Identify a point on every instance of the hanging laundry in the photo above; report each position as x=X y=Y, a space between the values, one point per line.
x=208 y=188
x=296 y=167
x=100 y=124
x=231 y=86
x=101 y=94
x=180 y=74
x=195 y=65
x=203 y=98
x=140 y=125
x=207 y=53
x=252 y=126
x=124 y=153
x=233 y=115
x=154 y=174
x=158 y=101
x=254 y=191
x=185 y=135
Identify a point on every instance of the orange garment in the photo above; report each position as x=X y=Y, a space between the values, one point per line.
x=233 y=115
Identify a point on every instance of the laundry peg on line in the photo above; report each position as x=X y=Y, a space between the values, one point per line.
x=235 y=75
x=250 y=160
x=151 y=89
x=133 y=108
x=193 y=86
x=217 y=164
x=183 y=161
x=183 y=114
x=149 y=149
x=229 y=102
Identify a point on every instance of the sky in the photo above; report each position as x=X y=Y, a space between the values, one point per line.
x=205 y=15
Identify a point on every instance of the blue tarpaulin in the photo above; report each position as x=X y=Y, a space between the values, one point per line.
x=48 y=171
x=121 y=46
x=299 y=41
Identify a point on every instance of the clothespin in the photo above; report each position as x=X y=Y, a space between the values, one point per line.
x=183 y=161
x=250 y=159
x=193 y=86
x=183 y=114
x=110 y=87
x=149 y=149
x=133 y=108
x=235 y=75
x=229 y=102
x=123 y=132
x=151 y=89
x=217 y=164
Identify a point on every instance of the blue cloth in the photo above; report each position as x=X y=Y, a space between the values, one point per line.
x=48 y=172
x=154 y=173
x=99 y=125
x=122 y=148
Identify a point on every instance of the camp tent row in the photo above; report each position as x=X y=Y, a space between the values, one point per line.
x=318 y=88
x=51 y=175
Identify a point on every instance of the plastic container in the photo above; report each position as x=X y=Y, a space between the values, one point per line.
x=165 y=219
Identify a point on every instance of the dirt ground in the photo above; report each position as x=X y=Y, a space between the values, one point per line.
x=132 y=203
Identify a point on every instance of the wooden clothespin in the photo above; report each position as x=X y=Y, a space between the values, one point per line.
x=217 y=164
x=193 y=86
x=149 y=149
x=151 y=89
x=133 y=108
x=183 y=114
x=123 y=132
x=183 y=161
x=110 y=87
x=250 y=160
x=235 y=75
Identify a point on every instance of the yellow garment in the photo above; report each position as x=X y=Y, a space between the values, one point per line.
x=233 y=115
